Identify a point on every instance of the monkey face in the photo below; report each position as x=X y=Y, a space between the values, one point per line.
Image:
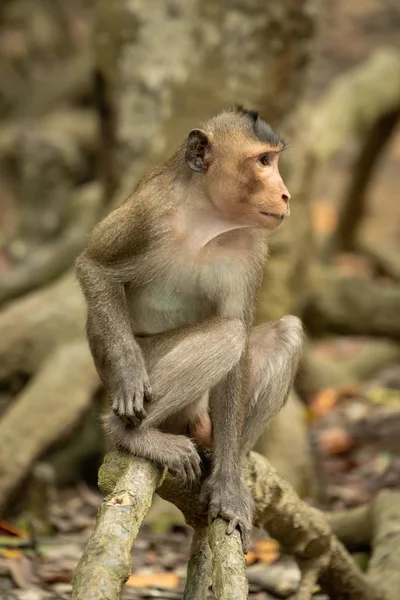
x=247 y=186
x=237 y=158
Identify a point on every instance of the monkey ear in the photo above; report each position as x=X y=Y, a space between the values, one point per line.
x=197 y=148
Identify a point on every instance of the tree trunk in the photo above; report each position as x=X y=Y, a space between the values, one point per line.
x=161 y=70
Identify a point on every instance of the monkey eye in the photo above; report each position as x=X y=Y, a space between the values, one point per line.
x=267 y=158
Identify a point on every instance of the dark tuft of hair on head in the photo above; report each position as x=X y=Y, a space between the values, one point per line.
x=250 y=114
x=262 y=130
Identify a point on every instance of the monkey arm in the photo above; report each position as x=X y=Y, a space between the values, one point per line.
x=116 y=354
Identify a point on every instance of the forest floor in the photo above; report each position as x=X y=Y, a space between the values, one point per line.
x=357 y=452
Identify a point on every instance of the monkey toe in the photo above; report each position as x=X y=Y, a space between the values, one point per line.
x=204 y=497
x=244 y=527
x=194 y=469
x=232 y=525
x=184 y=462
x=190 y=471
x=245 y=534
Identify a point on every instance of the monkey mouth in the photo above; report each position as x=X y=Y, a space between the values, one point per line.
x=280 y=217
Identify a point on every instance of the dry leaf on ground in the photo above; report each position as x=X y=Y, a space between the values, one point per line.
x=323 y=402
x=158 y=580
x=267 y=551
x=335 y=441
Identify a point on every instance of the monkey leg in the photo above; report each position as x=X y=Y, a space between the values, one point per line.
x=275 y=350
x=182 y=365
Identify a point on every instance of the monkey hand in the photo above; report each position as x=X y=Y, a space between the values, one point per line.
x=230 y=499
x=130 y=392
x=182 y=459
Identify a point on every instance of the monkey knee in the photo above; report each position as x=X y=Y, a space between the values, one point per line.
x=291 y=323
x=117 y=430
x=291 y=331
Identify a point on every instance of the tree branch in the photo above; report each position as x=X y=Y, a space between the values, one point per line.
x=199 y=567
x=46 y=409
x=299 y=527
x=377 y=525
x=354 y=201
x=229 y=567
x=106 y=562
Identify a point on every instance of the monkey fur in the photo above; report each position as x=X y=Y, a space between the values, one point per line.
x=171 y=280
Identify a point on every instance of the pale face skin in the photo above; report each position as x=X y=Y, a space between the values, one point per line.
x=240 y=188
x=247 y=188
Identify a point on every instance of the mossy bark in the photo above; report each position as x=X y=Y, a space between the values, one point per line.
x=229 y=579
x=300 y=529
x=106 y=563
x=199 y=571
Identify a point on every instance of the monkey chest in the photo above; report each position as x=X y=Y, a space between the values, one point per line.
x=183 y=296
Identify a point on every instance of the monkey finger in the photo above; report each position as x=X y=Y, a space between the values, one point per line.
x=139 y=413
x=118 y=406
x=126 y=404
x=197 y=470
x=195 y=463
x=189 y=477
x=134 y=404
x=148 y=392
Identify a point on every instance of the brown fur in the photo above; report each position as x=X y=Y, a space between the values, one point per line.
x=171 y=279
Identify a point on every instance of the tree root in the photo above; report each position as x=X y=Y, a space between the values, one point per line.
x=378 y=525
x=352 y=527
x=353 y=205
x=199 y=571
x=49 y=261
x=353 y=305
x=386 y=258
x=106 y=563
x=301 y=529
x=229 y=579
x=42 y=336
x=33 y=327
x=310 y=571
x=46 y=409
x=355 y=101
x=319 y=371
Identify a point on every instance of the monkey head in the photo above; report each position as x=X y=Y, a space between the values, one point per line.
x=235 y=159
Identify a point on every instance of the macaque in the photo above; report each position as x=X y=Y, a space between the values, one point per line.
x=171 y=279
